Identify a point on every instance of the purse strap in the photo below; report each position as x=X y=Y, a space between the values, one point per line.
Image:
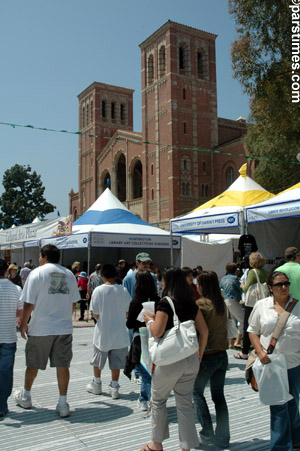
x=282 y=320
x=257 y=278
x=176 y=321
x=258 y=283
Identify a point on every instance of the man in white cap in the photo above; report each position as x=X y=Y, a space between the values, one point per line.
x=143 y=261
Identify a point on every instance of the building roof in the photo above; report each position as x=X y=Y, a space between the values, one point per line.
x=99 y=85
x=183 y=28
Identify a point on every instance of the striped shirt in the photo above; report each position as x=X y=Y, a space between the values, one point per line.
x=9 y=303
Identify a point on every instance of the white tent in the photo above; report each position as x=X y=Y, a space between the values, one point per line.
x=116 y=226
x=276 y=222
x=224 y=213
x=108 y=231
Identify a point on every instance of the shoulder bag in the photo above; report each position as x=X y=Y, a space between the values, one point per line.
x=255 y=292
x=176 y=344
x=249 y=376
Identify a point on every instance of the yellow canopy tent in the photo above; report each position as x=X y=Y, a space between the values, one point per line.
x=225 y=212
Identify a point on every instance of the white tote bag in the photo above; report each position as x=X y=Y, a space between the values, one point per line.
x=255 y=292
x=176 y=344
x=272 y=380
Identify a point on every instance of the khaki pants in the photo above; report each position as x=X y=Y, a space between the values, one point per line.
x=180 y=377
x=236 y=312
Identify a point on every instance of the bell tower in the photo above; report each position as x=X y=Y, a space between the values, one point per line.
x=179 y=113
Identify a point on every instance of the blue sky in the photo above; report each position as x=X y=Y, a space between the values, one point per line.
x=52 y=50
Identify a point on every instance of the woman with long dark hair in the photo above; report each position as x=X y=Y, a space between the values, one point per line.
x=145 y=290
x=214 y=362
x=178 y=376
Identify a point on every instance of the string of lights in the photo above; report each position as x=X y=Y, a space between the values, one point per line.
x=214 y=151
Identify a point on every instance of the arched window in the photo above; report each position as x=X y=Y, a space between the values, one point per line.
x=106 y=182
x=183 y=191
x=184 y=128
x=150 y=69
x=229 y=176
x=204 y=189
x=152 y=194
x=200 y=66
x=204 y=167
x=91 y=112
x=74 y=214
x=122 y=112
x=187 y=189
x=181 y=57
x=83 y=117
x=103 y=108
x=121 y=178
x=137 y=180
x=112 y=110
x=162 y=61
x=183 y=93
x=185 y=165
x=152 y=169
x=87 y=114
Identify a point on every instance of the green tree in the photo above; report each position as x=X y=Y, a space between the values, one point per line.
x=262 y=61
x=23 y=198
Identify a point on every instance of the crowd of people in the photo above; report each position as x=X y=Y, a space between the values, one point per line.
x=127 y=300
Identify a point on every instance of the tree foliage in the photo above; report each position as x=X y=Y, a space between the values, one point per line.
x=262 y=62
x=23 y=198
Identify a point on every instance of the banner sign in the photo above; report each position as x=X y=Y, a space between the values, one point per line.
x=205 y=223
x=32 y=243
x=55 y=227
x=275 y=211
x=79 y=240
x=133 y=241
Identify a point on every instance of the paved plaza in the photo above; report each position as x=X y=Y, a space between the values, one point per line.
x=100 y=423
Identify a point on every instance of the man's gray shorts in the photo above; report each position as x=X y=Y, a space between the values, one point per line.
x=57 y=348
x=116 y=358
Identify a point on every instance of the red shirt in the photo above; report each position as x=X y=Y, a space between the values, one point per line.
x=82 y=283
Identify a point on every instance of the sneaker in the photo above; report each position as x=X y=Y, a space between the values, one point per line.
x=137 y=380
x=142 y=405
x=23 y=402
x=63 y=411
x=114 y=392
x=94 y=387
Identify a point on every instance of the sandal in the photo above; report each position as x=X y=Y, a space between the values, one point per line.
x=147 y=448
x=239 y=356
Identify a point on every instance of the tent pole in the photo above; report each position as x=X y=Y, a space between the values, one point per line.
x=243 y=228
x=171 y=249
x=89 y=252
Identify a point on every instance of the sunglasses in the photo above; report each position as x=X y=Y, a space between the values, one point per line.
x=282 y=284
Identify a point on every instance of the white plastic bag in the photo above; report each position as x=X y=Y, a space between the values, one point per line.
x=272 y=380
x=148 y=307
x=144 y=335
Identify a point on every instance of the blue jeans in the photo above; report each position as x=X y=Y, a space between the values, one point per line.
x=213 y=368
x=7 y=360
x=285 y=420
x=145 y=393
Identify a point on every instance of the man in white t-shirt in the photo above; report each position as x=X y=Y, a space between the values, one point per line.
x=109 y=304
x=10 y=307
x=50 y=295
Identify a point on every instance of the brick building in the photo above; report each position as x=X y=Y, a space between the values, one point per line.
x=168 y=169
